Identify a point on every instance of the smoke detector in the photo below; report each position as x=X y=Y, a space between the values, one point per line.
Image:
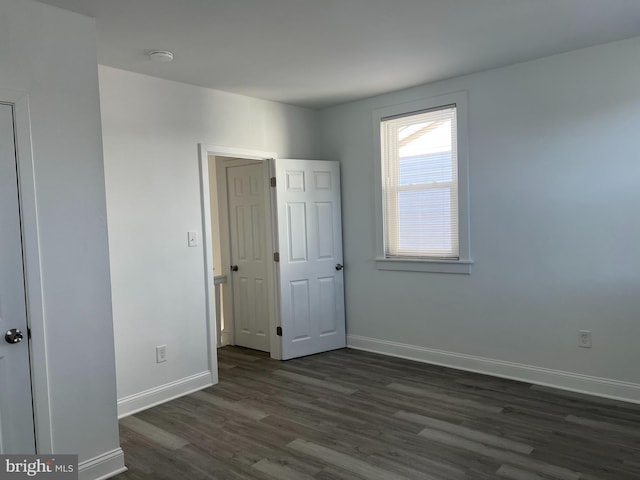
x=161 y=56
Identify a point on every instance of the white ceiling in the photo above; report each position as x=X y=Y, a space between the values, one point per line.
x=317 y=53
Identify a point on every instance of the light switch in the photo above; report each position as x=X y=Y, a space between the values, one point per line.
x=193 y=239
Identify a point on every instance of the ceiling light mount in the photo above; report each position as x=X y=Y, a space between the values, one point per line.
x=161 y=56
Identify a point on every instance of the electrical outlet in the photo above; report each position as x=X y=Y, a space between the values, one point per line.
x=161 y=353
x=584 y=338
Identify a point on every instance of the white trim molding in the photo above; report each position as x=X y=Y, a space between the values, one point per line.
x=225 y=151
x=434 y=265
x=422 y=265
x=573 y=382
x=33 y=270
x=157 y=395
x=103 y=466
x=207 y=252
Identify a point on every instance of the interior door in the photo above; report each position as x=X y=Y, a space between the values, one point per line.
x=247 y=231
x=310 y=244
x=16 y=411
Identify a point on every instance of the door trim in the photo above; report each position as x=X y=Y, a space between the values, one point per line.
x=245 y=154
x=32 y=269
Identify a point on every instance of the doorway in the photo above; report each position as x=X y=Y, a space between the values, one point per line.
x=245 y=222
x=238 y=207
x=302 y=271
x=17 y=433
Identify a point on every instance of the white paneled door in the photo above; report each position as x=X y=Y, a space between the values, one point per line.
x=249 y=256
x=16 y=411
x=310 y=245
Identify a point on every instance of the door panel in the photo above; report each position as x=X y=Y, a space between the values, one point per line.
x=324 y=217
x=297 y=222
x=310 y=239
x=327 y=292
x=301 y=310
x=249 y=253
x=16 y=414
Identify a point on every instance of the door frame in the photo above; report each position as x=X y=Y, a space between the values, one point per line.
x=251 y=156
x=36 y=320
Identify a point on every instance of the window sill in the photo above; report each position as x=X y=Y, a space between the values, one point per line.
x=418 y=265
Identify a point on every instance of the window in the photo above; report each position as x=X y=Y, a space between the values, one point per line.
x=420 y=184
x=423 y=191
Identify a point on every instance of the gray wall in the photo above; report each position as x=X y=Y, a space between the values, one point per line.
x=50 y=54
x=151 y=130
x=555 y=203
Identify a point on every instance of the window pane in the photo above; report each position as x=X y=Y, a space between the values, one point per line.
x=419 y=154
x=425 y=137
x=424 y=221
x=429 y=168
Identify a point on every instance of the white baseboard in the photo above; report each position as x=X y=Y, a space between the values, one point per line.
x=574 y=382
x=103 y=466
x=157 y=395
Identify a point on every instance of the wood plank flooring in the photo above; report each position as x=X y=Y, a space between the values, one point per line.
x=354 y=415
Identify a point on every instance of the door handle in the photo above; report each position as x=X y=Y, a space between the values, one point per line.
x=234 y=268
x=339 y=266
x=13 y=336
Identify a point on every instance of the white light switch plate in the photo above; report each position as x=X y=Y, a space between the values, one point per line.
x=193 y=239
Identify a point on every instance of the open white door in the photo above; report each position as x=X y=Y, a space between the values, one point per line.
x=310 y=245
x=16 y=414
x=249 y=256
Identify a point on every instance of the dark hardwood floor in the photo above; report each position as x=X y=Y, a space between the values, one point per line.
x=354 y=415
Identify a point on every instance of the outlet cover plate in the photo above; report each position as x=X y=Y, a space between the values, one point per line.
x=161 y=353
x=584 y=338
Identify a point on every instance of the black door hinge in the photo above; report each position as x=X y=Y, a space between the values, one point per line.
x=276 y=256
x=273 y=181
x=279 y=331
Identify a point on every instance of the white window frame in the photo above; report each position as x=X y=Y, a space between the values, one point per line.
x=464 y=262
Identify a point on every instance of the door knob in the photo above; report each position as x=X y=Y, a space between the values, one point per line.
x=234 y=268
x=13 y=336
x=339 y=266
